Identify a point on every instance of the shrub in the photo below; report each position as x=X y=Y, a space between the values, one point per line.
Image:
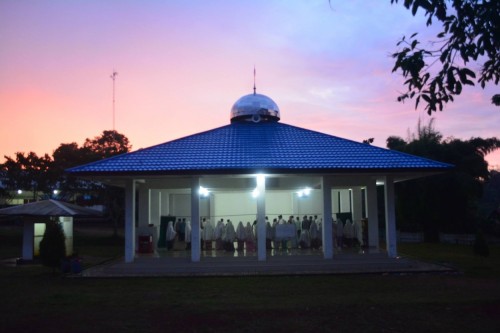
x=52 y=246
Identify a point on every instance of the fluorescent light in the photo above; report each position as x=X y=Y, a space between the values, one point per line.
x=304 y=193
x=203 y=191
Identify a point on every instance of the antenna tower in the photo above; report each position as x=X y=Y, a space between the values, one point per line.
x=254 y=87
x=113 y=77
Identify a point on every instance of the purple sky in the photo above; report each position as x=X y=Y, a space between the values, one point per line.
x=182 y=64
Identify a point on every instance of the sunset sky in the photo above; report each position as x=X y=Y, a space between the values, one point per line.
x=182 y=64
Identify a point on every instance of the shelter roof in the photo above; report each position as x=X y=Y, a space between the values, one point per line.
x=49 y=208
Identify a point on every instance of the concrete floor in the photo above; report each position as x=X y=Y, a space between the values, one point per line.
x=177 y=263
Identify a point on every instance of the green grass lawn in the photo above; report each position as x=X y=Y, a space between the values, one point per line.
x=35 y=300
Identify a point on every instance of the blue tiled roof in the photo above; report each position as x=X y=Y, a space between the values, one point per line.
x=247 y=147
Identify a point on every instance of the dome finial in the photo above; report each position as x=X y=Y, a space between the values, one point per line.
x=254 y=88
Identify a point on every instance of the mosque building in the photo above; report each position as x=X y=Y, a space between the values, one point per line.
x=258 y=169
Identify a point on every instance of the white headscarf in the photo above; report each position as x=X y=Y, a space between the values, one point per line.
x=208 y=232
x=170 y=231
x=240 y=232
x=218 y=230
x=313 y=231
x=304 y=237
x=249 y=231
x=230 y=233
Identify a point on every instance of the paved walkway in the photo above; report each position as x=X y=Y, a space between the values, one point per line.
x=211 y=264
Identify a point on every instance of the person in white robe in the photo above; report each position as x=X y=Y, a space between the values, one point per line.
x=208 y=235
x=298 y=226
x=314 y=236
x=276 y=241
x=269 y=235
x=218 y=235
x=230 y=236
x=320 y=231
x=241 y=236
x=358 y=232
x=292 y=242
x=304 y=240
x=250 y=237
x=187 y=235
x=170 y=235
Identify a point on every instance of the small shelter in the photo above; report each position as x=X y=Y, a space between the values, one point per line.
x=256 y=167
x=35 y=215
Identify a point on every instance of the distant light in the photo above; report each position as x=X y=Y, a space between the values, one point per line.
x=56 y=192
x=203 y=191
x=255 y=193
x=19 y=191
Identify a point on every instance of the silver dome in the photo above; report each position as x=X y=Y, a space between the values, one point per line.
x=255 y=107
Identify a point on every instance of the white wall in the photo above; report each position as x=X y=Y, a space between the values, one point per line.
x=240 y=206
x=308 y=205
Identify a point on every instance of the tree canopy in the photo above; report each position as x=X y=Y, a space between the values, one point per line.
x=28 y=171
x=108 y=144
x=469 y=39
x=445 y=202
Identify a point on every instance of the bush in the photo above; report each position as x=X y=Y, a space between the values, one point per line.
x=52 y=246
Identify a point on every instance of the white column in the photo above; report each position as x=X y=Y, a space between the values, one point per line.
x=372 y=213
x=261 y=218
x=195 y=220
x=327 y=236
x=28 y=239
x=130 y=220
x=144 y=209
x=390 y=218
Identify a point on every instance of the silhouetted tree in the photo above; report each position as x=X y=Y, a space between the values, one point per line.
x=470 y=39
x=28 y=172
x=110 y=143
x=445 y=202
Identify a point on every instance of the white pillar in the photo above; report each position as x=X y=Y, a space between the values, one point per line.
x=390 y=218
x=372 y=214
x=195 y=220
x=130 y=220
x=327 y=236
x=144 y=209
x=28 y=239
x=261 y=218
